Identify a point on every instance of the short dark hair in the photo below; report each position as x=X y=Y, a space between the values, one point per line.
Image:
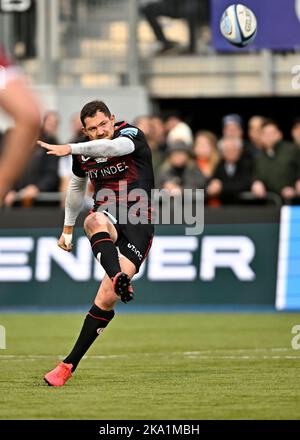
x=271 y=122
x=91 y=108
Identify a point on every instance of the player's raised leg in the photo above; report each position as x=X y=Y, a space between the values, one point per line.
x=102 y=235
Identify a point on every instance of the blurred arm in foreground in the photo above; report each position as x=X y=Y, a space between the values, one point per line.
x=19 y=103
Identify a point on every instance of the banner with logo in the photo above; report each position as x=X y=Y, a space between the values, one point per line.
x=228 y=264
x=288 y=277
x=278 y=24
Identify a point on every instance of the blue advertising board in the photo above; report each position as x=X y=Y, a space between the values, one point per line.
x=288 y=275
x=226 y=265
x=278 y=24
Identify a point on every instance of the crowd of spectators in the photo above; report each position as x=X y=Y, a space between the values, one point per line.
x=255 y=164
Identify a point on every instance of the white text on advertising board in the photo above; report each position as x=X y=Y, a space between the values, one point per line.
x=171 y=259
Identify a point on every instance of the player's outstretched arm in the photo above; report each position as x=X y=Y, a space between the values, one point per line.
x=98 y=148
x=104 y=147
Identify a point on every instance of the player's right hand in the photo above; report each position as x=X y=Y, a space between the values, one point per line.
x=65 y=242
x=56 y=150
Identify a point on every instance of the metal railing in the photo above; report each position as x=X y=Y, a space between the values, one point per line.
x=271 y=198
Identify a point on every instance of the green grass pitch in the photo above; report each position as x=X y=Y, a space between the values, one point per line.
x=154 y=366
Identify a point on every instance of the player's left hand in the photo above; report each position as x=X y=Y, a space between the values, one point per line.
x=56 y=150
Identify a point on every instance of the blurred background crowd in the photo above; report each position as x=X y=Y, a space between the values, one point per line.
x=151 y=60
x=250 y=162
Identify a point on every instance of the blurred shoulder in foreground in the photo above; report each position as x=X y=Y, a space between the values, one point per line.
x=19 y=102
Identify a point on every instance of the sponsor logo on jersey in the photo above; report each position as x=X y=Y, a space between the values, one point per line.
x=130 y=131
x=135 y=250
x=108 y=171
x=96 y=159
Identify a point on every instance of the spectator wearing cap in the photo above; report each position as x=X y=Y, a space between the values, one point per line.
x=295 y=132
x=233 y=127
x=233 y=174
x=179 y=171
x=277 y=168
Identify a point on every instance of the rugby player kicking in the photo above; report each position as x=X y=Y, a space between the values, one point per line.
x=116 y=158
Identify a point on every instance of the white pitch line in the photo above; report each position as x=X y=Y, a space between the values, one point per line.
x=60 y=357
x=238 y=350
x=198 y=355
x=243 y=357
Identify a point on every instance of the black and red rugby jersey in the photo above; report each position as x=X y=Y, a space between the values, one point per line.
x=135 y=168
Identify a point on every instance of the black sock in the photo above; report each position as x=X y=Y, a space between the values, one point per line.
x=95 y=322
x=106 y=253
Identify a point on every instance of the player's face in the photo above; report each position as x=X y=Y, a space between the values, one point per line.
x=99 y=127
